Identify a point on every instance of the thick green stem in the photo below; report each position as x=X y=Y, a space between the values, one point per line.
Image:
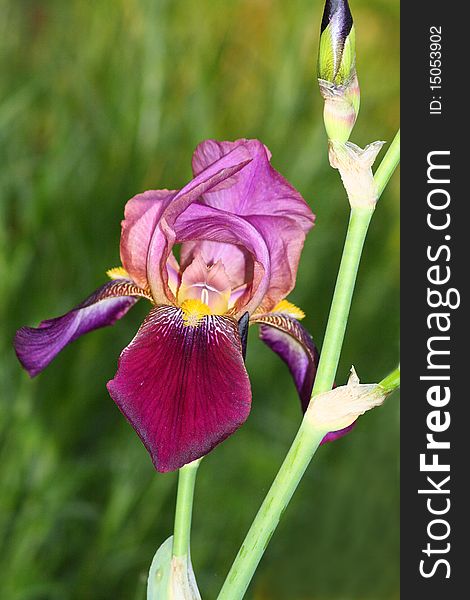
x=184 y=508
x=299 y=456
x=308 y=437
x=341 y=303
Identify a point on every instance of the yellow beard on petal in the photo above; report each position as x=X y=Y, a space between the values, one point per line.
x=290 y=309
x=194 y=311
x=117 y=273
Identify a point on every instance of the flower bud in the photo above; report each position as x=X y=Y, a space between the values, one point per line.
x=337 y=70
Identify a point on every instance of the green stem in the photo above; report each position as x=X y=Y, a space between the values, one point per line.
x=392 y=382
x=308 y=437
x=184 y=508
x=346 y=280
x=341 y=303
x=388 y=165
x=299 y=456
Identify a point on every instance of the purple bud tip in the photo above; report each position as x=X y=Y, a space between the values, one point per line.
x=337 y=12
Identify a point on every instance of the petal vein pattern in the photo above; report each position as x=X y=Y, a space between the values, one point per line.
x=184 y=389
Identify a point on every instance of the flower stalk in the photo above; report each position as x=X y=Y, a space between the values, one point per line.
x=342 y=297
x=309 y=435
x=388 y=165
x=392 y=382
x=301 y=452
x=339 y=312
x=184 y=508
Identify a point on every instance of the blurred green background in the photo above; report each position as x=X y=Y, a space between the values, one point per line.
x=100 y=100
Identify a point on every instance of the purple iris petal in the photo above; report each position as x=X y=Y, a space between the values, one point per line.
x=285 y=241
x=257 y=189
x=183 y=388
x=141 y=215
x=205 y=222
x=37 y=346
x=163 y=237
x=292 y=342
x=260 y=195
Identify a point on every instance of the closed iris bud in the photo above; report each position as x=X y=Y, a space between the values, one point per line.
x=337 y=70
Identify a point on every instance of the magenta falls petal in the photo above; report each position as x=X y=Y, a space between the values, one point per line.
x=183 y=388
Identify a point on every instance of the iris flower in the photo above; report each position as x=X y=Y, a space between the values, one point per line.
x=182 y=382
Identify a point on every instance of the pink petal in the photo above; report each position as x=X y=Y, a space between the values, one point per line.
x=207 y=223
x=163 y=237
x=263 y=197
x=37 y=346
x=237 y=261
x=256 y=190
x=184 y=389
x=141 y=215
x=208 y=283
x=285 y=241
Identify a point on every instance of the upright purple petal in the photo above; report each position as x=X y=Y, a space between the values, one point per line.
x=285 y=241
x=163 y=237
x=258 y=189
x=37 y=346
x=270 y=203
x=141 y=215
x=295 y=346
x=183 y=388
x=214 y=225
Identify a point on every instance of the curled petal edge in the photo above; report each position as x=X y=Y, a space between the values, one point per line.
x=295 y=346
